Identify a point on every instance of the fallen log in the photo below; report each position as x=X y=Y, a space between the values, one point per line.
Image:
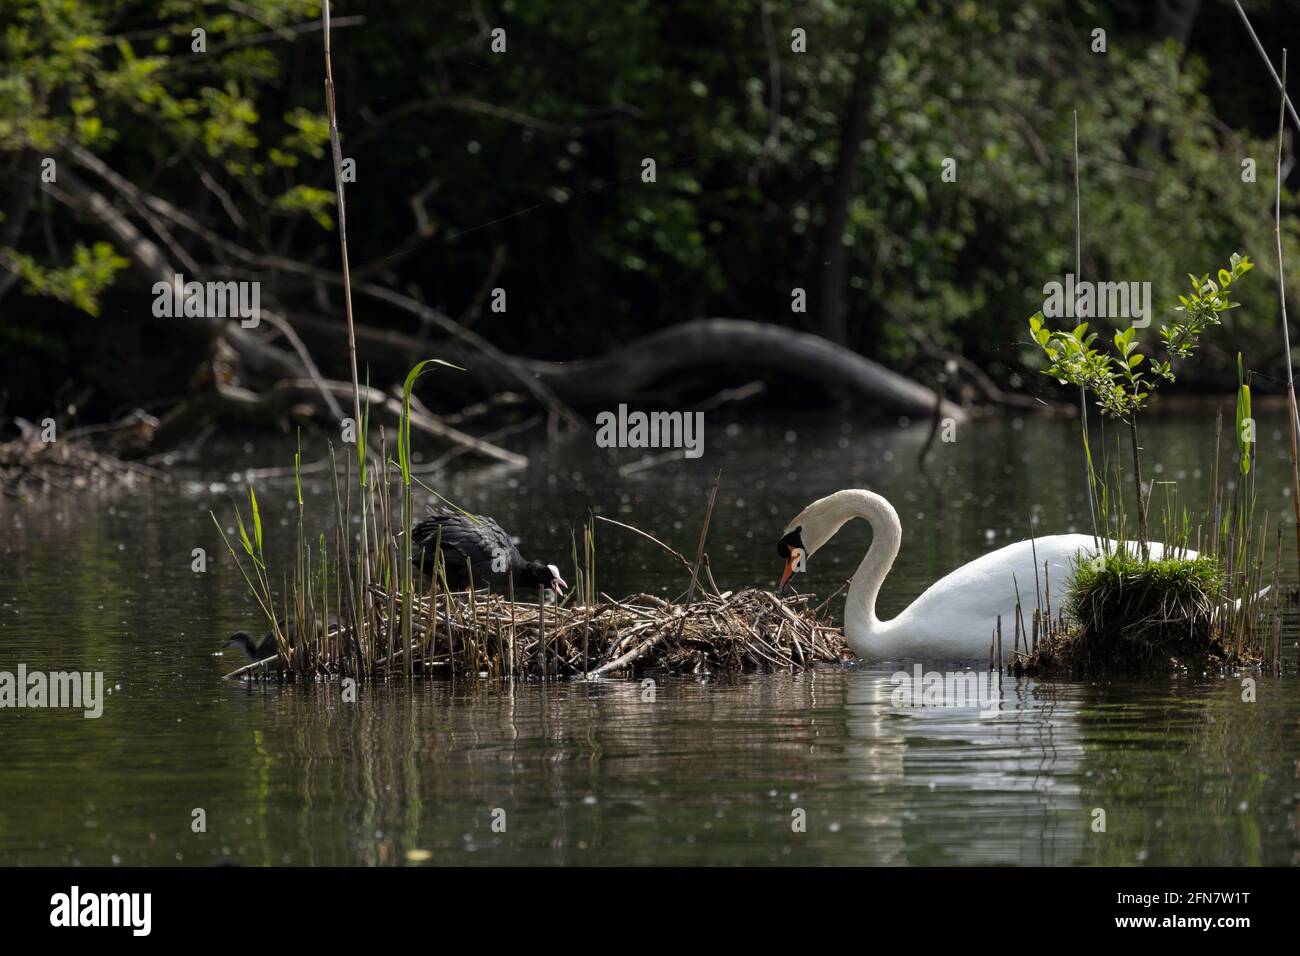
x=646 y=369
x=782 y=355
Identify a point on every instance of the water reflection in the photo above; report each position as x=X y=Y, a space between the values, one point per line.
x=710 y=773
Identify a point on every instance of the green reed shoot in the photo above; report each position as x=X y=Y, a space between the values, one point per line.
x=404 y=464
x=1245 y=424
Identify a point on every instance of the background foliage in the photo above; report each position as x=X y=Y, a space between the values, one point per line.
x=522 y=169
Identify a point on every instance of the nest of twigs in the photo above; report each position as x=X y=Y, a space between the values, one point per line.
x=69 y=463
x=486 y=635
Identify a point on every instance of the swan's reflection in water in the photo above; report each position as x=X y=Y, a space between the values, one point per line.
x=991 y=783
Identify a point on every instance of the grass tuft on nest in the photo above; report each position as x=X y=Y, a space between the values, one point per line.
x=1133 y=616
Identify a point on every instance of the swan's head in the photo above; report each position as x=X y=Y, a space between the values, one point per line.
x=817 y=524
x=806 y=532
x=791 y=548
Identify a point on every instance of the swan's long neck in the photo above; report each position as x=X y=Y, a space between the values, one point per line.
x=860 y=620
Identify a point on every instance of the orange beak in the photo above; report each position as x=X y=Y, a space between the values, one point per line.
x=795 y=555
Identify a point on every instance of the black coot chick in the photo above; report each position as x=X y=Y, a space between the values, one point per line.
x=477 y=543
x=261 y=648
x=255 y=649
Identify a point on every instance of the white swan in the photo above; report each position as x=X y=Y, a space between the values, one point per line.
x=954 y=618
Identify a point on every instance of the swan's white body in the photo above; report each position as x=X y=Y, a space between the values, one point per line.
x=955 y=617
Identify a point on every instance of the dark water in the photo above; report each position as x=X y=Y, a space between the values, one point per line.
x=706 y=772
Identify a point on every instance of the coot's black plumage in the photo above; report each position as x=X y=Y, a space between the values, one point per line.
x=261 y=648
x=255 y=649
x=476 y=544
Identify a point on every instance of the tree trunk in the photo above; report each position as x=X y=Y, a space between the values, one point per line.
x=834 y=255
x=1174 y=20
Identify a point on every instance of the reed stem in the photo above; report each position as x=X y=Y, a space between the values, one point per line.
x=1281 y=294
x=336 y=151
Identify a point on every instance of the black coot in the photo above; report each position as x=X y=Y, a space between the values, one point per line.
x=256 y=649
x=477 y=543
x=261 y=648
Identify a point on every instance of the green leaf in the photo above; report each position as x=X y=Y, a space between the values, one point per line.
x=364 y=425
x=257 y=518
x=404 y=428
x=243 y=537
